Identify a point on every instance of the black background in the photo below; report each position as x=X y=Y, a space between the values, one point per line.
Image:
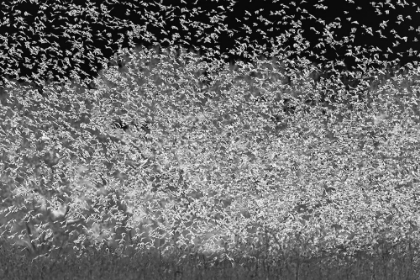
x=53 y=27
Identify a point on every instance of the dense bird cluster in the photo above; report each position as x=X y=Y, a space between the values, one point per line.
x=185 y=106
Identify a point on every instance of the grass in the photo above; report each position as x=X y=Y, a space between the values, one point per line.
x=195 y=266
x=217 y=178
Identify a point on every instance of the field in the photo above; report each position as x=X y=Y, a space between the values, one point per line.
x=248 y=174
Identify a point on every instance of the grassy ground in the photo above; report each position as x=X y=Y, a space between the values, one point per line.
x=184 y=265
